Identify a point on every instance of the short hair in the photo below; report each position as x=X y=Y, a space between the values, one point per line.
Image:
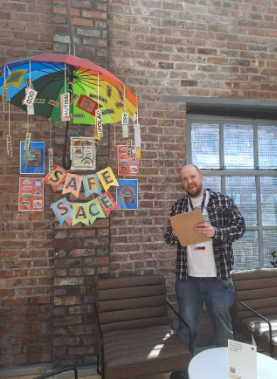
x=190 y=164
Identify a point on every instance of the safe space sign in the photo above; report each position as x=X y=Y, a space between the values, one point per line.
x=31 y=194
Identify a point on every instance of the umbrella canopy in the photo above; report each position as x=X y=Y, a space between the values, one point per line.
x=90 y=86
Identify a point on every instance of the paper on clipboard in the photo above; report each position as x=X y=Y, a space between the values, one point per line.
x=184 y=224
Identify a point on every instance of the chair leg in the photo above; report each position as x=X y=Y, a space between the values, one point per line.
x=98 y=367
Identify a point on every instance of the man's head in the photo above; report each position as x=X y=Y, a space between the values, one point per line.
x=191 y=180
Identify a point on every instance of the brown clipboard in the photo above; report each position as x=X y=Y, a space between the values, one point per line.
x=184 y=224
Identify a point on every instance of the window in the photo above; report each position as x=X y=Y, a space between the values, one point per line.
x=238 y=157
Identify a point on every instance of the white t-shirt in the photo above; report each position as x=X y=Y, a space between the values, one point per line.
x=201 y=263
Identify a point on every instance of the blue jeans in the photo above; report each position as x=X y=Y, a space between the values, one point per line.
x=218 y=296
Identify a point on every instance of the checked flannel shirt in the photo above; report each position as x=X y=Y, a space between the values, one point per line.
x=229 y=226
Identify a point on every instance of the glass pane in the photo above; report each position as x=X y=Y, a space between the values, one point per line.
x=238 y=146
x=267 y=147
x=212 y=182
x=242 y=189
x=205 y=145
x=269 y=199
x=270 y=245
x=246 y=252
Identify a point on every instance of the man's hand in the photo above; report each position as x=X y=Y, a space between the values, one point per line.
x=206 y=229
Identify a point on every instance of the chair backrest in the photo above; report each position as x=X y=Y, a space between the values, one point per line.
x=258 y=290
x=131 y=302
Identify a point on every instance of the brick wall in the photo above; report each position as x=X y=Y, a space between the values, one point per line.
x=197 y=48
x=174 y=47
x=26 y=265
x=81 y=252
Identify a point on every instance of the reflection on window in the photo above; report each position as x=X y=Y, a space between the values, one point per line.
x=238 y=146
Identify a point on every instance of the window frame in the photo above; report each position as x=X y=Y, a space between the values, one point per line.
x=223 y=171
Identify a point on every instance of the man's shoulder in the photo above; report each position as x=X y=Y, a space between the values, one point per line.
x=180 y=204
x=219 y=197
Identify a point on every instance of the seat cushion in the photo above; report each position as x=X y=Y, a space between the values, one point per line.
x=134 y=352
x=260 y=327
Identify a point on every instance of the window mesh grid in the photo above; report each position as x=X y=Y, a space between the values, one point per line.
x=246 y=252
x=212 y=182
x=269 y=200
x=270 y=244
x=267 y=147
x=238 y=146
x=242 y=189
x=205 y=145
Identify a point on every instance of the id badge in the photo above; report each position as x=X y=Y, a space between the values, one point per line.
x=199 y=246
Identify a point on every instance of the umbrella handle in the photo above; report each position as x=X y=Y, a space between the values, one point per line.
x=64 y=158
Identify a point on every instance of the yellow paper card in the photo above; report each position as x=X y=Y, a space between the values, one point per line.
x=107 y=178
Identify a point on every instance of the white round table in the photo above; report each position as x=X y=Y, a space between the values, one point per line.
x=213 y=364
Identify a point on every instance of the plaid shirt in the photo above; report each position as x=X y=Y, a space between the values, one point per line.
x=229 y=226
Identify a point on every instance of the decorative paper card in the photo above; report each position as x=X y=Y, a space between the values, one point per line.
x=242 y=360
x=95 y=211
x=88 y=105
x=91 y=185
x=127 y=166
x=62 y=210
x=72 y=184
x=83 y=153
x=57 y=178
x=127 y=194
x=65 y=107
x=32 y=161
x=107 y=178
x=107 y=203
x=80 y=213
x=31 y=194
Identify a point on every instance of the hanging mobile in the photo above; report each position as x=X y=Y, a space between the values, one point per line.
x=98 y=122
x=50 y=153
x=125 y=121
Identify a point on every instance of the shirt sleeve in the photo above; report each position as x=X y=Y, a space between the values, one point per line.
x=235 y=225
x=169 y=237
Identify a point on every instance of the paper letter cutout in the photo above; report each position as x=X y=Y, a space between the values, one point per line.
x=80 y=213
x=95 y=211
x=107 y=203
x=58 y=177
x=107 y=178
x=91 y=184
x=72 y=184
x=62 y=210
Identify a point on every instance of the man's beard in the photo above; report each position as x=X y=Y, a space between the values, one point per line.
x=197 y=193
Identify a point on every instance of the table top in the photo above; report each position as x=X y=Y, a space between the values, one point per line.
x=213 y=364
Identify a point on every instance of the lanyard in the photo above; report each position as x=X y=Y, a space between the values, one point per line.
x=202 y=204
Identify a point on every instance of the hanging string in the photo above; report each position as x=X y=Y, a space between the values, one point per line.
x=114 y=135
x=27 y=123
x=98 y=89
x=137 y=110
x=65 y=78
x=124 y=101
x=50 y=133
x=9 y=117
x=30 y=75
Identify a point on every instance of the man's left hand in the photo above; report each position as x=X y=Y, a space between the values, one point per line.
x=206 y=229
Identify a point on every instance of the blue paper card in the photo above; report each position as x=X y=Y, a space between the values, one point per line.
x=32 y=161
x=127 y=194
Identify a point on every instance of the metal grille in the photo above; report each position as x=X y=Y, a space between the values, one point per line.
x=246 y=252
x=212 y=182
x=269 y=200
x=205 y=145
x=242 y=189
x=270 y=244
x=267 y=147
x=238 y=146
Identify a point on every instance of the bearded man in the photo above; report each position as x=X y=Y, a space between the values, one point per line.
x=203 y=270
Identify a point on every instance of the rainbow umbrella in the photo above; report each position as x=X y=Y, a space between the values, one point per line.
x=91 y=87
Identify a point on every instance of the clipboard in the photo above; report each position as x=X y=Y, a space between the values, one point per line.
x=184 y=224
